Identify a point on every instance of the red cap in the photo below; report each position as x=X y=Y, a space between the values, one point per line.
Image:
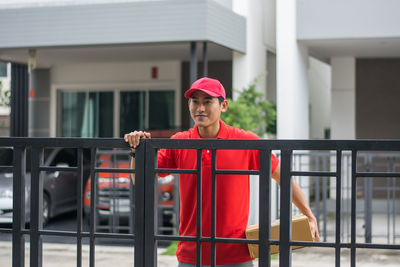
x=209 y=86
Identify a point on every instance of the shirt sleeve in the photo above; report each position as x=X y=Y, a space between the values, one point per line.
x=255 y=164
x=166 y=160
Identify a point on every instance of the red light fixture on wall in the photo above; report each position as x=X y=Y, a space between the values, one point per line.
x=154 y=72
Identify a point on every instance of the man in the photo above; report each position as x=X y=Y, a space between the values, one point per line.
x=206 y=100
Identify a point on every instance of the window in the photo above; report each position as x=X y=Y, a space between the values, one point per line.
x=87 y=114
x=150 y=110
x=92 y=114
x=3 y=69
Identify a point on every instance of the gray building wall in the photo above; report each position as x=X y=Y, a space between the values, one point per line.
x=39 y=103
x=377 y=98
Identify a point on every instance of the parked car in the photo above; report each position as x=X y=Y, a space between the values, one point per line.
x=59 y=188
x=115 y=201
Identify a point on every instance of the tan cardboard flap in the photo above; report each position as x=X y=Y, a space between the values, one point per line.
x=300 y=232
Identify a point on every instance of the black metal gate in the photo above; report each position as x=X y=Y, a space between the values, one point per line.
x=145 y=236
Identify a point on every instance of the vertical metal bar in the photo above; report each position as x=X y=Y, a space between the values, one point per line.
x=19 y=100
x=387 y=210
x=338 y=205
x=368 y=209
x=132 y=206
x=79 y=203
x=324 y=197
x=317 y=199
x=394 y=209
x=193 y=62
x=198 y=207
x=205 y=60
x=285 y=234
x=368 y=202
x=140 y=206
x=264 y=208
x=176 y=203
x=93 y=206
x=18 y=239
x=353 y=208
x=213 y=205
x=151 y=203
x=193 y=68
x=36 y=221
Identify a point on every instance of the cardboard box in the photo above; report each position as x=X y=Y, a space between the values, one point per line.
x=300 y=232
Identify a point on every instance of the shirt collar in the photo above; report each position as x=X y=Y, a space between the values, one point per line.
x=222 y=133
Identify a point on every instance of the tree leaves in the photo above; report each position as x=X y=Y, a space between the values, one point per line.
x=250 y=111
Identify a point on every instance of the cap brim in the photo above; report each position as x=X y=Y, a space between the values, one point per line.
x=189 y=92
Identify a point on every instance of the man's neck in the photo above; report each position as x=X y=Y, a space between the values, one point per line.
x=210 y=131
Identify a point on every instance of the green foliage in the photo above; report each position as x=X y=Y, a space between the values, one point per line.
x=250 y=111
x=4 y=97
x=171 y=250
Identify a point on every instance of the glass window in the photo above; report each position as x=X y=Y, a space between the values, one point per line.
x=72 y=110
x=161 y=110
x=3 y=69
x=150 y=110
x=85 y=114
x=132 y=111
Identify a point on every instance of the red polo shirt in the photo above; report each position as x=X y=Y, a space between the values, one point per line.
x=233 y=194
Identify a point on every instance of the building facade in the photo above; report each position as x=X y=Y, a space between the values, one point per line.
x=101 y=68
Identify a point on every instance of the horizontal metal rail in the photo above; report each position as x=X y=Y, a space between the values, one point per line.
x=145 y=236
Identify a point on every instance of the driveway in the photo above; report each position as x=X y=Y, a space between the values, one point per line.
x=63 y=255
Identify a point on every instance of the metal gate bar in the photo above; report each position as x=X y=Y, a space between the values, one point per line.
x=145 y=236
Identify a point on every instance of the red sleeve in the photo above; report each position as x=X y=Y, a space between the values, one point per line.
x=274 y=163
x=255 y=163
x=166 y=160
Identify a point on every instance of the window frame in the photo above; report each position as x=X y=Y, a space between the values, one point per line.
x=57 y=89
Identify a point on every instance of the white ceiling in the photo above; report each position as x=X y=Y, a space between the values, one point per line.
x=359 y=48
x=46 y=57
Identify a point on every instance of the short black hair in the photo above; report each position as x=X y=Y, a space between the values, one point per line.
x=220 y=99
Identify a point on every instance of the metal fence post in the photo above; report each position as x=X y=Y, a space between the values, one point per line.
x=18 y=239
x=139 y=206
x=36 y=249
x=150 y=203
x=264 y=208
x=285 y=233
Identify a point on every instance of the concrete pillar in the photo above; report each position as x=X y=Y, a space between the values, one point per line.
x=248 y=66
x=343 y=120
x=39 y=103
x=292 y=84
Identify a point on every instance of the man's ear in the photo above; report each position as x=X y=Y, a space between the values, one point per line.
x=224 y=105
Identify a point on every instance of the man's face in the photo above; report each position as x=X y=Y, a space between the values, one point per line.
x=204 y=109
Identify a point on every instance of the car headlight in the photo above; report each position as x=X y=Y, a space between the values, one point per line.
x=7 y=193
x=165 y=196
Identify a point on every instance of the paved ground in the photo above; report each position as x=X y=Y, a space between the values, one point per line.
x=63 y=255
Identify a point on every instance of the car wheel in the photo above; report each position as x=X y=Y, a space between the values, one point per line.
x=46 y=209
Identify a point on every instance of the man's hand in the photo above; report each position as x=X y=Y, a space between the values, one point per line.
x=133 y=138
x=314 y=228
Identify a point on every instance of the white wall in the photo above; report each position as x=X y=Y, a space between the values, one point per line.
x=343 y=120
x=246 y=67
x=319 y=77
x=327 y=19
x=115 y=76
x=292 y=82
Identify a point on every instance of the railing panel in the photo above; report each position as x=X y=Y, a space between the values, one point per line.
x=145 y=214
